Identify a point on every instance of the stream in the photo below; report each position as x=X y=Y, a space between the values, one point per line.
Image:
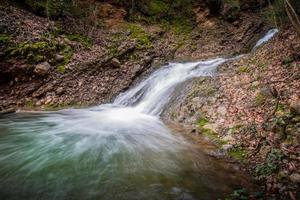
x=113 y=151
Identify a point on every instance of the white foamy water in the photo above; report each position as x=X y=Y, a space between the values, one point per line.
x=271 y=33
x=112 y=151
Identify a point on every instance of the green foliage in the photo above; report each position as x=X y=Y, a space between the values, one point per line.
x=239 y=194
x=87 y=42
x=259 y=99
x=208 y=132
x=243 y=69
x=36 y=52
x=202 y=121
x=140 y=35
x=270 y=165
x=5 y=39
x=32 y=52
x=276 y=13
x=157 y=7
x=61 y=69
x=237 y=153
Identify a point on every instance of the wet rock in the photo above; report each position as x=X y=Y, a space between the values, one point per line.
x=42 y=68
x=115 y=62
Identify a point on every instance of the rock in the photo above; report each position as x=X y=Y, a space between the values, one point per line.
x=227 y=147
x=228 y=138
x=48 y=100
x=60 y=90
x=295 y=177
x=59 y=58
x=295 y=107
x=7 y=111
x=42 y=68
x=115 y=62
x=42 y=90
x=266 y=91
x=222 y=110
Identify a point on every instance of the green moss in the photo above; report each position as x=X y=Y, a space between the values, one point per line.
x=32 y=52
x=237 y=153
x=202 y=121
x=157 y=7
x=67 y=52
x=61 y=68
x=29 y=104
x=140 y=35
x=208 y=132
x=87 y=42
x=271 y=164
x=5 y=39
x=259 y=99
x=243 y=69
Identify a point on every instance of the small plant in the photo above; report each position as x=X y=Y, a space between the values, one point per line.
x=237 y=153
x=140 y=35
x=243 y=69
x=87 y=42
x=271 y=164
x=202 y=121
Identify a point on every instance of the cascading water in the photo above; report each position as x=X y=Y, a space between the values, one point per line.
x=113 y=151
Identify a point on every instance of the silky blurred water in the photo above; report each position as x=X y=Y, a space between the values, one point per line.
x=113 y=151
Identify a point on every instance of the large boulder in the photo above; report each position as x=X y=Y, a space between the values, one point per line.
x=42 y=68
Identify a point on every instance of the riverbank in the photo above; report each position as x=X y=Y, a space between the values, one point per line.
x=251 y=111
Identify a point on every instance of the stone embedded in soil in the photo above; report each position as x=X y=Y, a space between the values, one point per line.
x=59 y=58
x=115 y=62
x=42 y=68
x=295 y=178
x=60 y=90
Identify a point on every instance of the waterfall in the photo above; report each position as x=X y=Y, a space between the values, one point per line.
x=112 y=151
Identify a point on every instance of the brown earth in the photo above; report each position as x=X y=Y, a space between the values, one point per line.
x=111 y=64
